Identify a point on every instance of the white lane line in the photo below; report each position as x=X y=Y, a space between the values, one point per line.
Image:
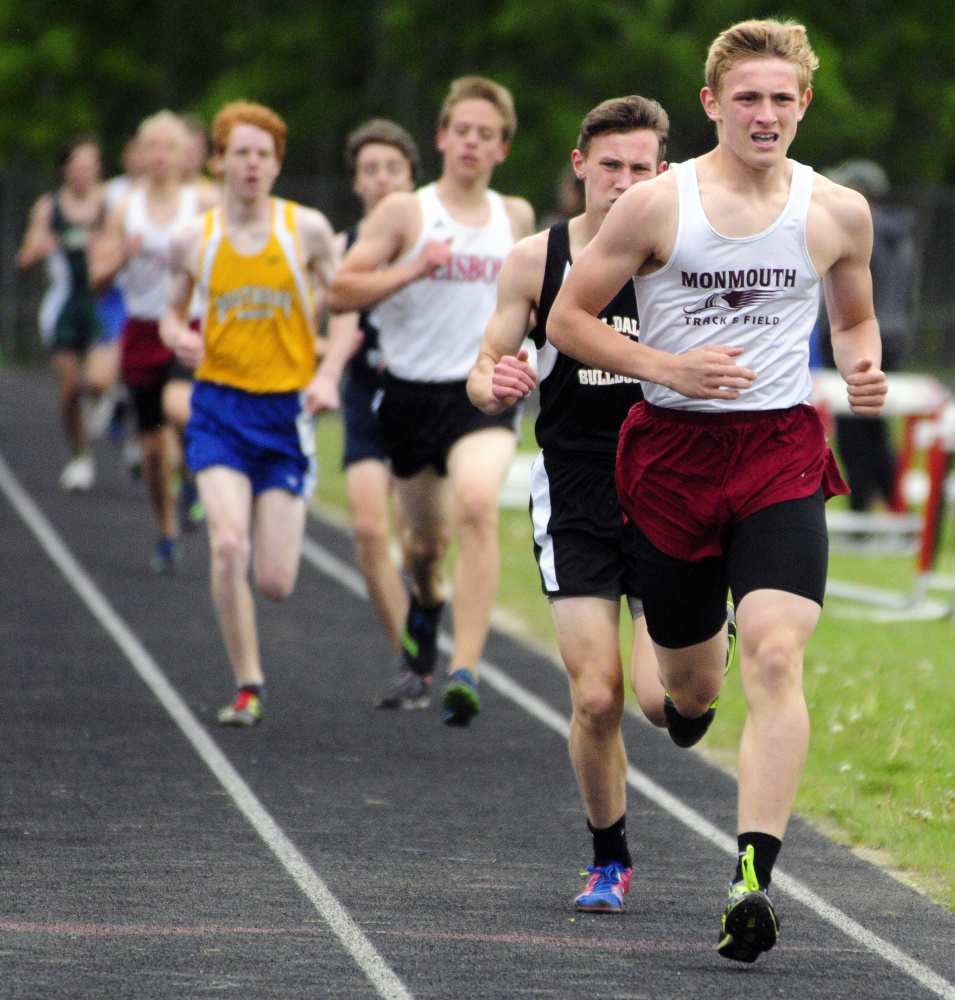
x=494 y=677
x=366 y=956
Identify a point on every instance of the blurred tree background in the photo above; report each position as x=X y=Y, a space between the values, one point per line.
x=885 y=91
x=886 y=88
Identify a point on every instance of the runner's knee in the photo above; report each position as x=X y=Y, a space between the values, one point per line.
x=775 y=666
x=475 y=508
x=598 y=705
x=231 y=550
x=371 y=531
x=275 y=583
x=425 y=549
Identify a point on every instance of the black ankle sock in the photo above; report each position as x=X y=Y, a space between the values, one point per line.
x=610 y=844
x=765 y=851
x=415 y=608
x=419 y=640
x=257 y=689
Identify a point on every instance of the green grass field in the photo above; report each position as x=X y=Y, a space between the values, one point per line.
x=880 y=775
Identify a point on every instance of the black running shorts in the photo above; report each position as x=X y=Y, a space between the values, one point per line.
x=420 y=422
x=784 y=546
x=582 y=544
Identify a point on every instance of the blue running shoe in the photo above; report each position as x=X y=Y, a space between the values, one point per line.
x=166 y=557
x=461 y=699
x=605 y=891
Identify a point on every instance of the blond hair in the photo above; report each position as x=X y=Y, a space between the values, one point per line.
x=761 y=39
x=470 y=88
x=164 y=120
x=247 y=113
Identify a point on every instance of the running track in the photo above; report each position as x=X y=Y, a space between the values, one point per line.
x=336 y=851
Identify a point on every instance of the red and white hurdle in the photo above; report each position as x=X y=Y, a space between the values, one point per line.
x=927 y=411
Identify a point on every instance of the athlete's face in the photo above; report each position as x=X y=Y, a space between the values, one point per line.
x=163 y=151
x=249 y=165
x=757 y=109
x=473 y=140
x=614 y=162
x=82 y=170
x=379 y=170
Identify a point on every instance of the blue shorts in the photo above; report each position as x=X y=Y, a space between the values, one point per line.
x=111 y=311
x=267 y=437
x=362 y=437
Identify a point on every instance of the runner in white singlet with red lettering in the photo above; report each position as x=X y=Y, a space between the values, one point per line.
x=429 y=263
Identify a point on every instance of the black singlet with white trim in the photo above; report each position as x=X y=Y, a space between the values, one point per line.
x=365 y=365
x=581 y=408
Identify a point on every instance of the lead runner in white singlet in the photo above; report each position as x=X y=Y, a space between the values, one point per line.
x=755 y=512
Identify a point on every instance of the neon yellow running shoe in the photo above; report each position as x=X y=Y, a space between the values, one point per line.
x=749 y=925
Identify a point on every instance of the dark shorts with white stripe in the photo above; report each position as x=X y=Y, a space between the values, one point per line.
x=583 y=545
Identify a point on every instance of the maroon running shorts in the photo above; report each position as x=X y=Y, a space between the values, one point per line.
x=685 y=477
x=144 y=357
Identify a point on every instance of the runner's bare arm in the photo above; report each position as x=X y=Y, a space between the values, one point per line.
x=392 y=228
x=501 y=376
x=856 y=345
x=111 y=249
x=39 y=240
x=322 y=250
x=343 y=340
x=320 y=253
x=632 y=237
x=174 y=329
x=344 y=337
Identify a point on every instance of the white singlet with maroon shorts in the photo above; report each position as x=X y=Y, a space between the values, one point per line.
x=430 y=332
x=729 y=492
x=147 y=363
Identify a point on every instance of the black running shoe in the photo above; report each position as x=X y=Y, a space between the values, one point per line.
x=688 y=732
x=749 y=925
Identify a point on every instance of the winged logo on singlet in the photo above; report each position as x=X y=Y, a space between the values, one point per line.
x=729 y=301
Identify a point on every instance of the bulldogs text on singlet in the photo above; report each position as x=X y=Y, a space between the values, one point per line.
x=581 y=408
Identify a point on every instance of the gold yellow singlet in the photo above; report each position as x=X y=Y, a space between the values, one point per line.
x=257 y=312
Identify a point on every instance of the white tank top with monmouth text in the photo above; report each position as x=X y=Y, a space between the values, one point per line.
x=758 y=292
x=145 y=279
x=431 y=330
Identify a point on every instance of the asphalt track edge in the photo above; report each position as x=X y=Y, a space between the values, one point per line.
x=365 y=955
x=384 y=980
x=495 y=678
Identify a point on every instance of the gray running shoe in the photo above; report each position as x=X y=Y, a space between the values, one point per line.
x=407 y=690
x=79 y=474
